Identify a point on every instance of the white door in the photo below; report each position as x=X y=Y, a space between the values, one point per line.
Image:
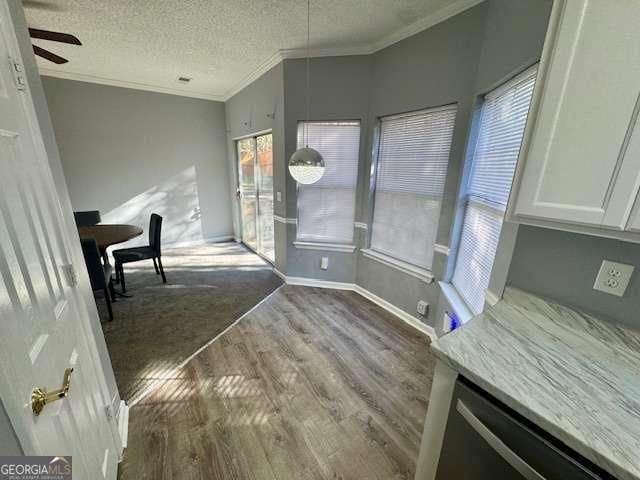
x=43 y=329
x=577 y=165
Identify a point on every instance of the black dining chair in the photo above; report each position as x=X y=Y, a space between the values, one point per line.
x=147 y=252
x=99 y=274
x=87 y=218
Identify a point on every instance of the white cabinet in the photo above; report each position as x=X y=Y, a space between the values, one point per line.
x=580 y=161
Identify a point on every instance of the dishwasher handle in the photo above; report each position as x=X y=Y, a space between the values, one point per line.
x=508 y=455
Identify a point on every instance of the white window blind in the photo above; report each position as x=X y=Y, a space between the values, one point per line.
x=502 y=121
x=326 y=209
x=413 y=154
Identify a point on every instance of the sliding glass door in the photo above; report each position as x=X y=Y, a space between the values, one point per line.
x=255 y=171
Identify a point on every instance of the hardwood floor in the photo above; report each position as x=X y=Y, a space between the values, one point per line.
x=313 y=384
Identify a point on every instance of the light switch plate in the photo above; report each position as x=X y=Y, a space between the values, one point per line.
x=324 y=263
x=278 y=196
x=613 y=277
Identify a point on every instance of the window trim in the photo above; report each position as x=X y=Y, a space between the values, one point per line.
x=331 y=246
x=425 y=274
x=408 y=268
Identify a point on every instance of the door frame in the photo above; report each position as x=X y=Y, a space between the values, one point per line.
x=238 y=200
x=37 y=113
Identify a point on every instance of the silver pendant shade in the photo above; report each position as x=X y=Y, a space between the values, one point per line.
x=306 y=166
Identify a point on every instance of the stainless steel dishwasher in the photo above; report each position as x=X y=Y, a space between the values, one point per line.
x=486 y=440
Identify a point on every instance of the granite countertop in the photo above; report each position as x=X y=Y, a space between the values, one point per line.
x=573 y=375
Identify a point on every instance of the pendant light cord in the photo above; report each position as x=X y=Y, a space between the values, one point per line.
x=308 y=60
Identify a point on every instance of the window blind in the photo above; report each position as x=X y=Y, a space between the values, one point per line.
x=326 y=209
x=502 y=122
x=413 y=154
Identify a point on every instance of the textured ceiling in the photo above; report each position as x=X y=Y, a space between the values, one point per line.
x=219 y=43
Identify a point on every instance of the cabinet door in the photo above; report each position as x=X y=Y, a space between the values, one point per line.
x=576 y=168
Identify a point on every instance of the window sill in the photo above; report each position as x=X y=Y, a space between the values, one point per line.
x=327 y=247
x=417 y=272
x=456 y=302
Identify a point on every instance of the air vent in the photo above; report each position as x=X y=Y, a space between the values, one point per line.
x=184 y=79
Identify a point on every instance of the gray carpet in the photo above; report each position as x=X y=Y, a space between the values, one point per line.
x=209 y=287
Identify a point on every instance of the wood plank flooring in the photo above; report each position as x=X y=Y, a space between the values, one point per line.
x=313 y=384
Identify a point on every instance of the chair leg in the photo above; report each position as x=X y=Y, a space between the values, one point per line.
x=164 y=279
x=112 y=290
x=155 y=265
x=122 y=283
x=108 y=299
x=117 y=269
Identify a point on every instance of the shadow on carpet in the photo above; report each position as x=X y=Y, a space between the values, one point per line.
x=209 y=287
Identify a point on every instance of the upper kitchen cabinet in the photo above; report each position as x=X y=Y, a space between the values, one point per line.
x=579 y=167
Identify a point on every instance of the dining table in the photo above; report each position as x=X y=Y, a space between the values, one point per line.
x=106 y=235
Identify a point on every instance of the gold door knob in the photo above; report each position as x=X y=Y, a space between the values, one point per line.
x=40 y=397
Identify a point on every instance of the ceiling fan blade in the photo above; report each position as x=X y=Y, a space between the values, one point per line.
x=43 y=5
x=47 y=55
x=54 y=36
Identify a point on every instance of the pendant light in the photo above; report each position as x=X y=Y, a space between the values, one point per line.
x=306 y=165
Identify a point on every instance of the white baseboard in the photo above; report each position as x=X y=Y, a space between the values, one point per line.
x=123 y=423
x=313 y=282
x=398 y=312
x=220 y=239
x=280 y=274
x=491 y=297
x=191 y=243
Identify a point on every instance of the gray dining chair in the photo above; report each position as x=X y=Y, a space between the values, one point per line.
x=147 y=252
x=99 y=274
x=87 y=218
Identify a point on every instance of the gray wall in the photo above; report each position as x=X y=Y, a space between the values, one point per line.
x=171 y=150
x=339 y=91
x=435 y=67
x=563 y=266
x=454 y=61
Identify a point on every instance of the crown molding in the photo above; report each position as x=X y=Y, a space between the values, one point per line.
x=256 y=73
x=429 y=21
x=438 y=16
x=82 y=77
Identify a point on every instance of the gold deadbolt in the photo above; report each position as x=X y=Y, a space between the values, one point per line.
x=40 y=397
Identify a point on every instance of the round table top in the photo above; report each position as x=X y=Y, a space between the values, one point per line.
x=110 y=234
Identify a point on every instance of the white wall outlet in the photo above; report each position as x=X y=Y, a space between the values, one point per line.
x=423 y=307
x=613 y=277
x=278 y=196
x=324 y=263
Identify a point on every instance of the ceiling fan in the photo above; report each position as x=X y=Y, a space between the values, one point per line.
x=54 y=37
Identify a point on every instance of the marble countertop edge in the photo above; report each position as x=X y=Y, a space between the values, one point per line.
x=536 y=336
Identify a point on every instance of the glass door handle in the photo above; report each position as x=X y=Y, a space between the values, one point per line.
x=40 y=397
x=508 y=455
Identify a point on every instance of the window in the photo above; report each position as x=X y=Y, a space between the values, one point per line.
x=413 y=153
x=501 y=126
x=326 y=209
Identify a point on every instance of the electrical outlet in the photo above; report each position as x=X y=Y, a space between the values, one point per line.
x=278 y=196
x=423 y=308
x=613 y=277
x=324 y=263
